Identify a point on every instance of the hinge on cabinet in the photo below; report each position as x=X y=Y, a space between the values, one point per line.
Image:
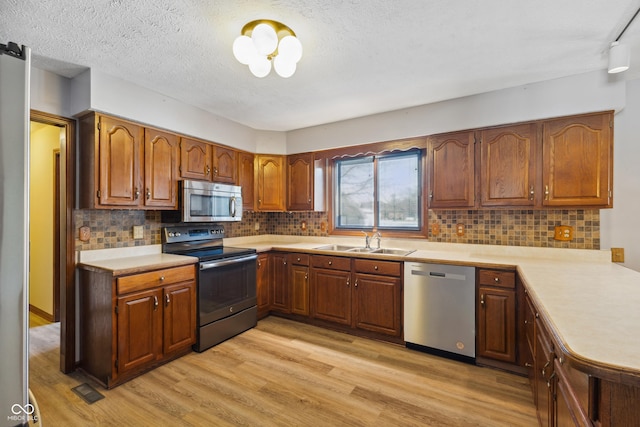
x=611 y=124
x=116 y=309
x=98 y=125
x=180 y=169
x=98 y=193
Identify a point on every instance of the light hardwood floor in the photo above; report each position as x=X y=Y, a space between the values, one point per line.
x=284 y=373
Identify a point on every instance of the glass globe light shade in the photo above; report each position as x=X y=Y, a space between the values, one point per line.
x=244 y=49
x=265 y=39
x=290 y=48
x=260 y=66
x=284 y=66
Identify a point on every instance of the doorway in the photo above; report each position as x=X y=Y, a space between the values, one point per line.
x=62 y=164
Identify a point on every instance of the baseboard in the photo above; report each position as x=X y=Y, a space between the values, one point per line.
x=35 y=310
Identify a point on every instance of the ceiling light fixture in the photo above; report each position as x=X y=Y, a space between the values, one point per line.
x=619 y=55
x=264 y=41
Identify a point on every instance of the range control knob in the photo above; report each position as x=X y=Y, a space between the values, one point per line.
x=171 y=234
x=177 y=234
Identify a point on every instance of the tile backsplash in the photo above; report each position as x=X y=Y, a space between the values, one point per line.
x=114 y=228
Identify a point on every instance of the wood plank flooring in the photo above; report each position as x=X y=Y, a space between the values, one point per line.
x=284 y=373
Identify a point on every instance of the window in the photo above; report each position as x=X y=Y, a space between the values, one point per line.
x=380 y=191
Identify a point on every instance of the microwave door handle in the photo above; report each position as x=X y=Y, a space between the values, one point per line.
x=232 y=206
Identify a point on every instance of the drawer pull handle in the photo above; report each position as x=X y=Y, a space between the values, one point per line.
x=528 y=365
x=167 y=300
x=155 y=303
x=482 y=300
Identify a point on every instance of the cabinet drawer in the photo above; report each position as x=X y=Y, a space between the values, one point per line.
x=332 y=262
x=501 y=279
x=371 y=266
x=299 y=259
x=154 y=279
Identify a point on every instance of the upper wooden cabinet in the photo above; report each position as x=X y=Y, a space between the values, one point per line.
x=300 y=170
x=578 y=160
x=451 y=170
x=195 y=159
x=270 y=182
x=124 y=165
x=508 y=166
x=225 y=166
x=246 y=179
x=161 y=153
x=207 y=162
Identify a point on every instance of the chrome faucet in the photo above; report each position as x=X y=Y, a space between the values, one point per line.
x=376 y=235
x=367 y=240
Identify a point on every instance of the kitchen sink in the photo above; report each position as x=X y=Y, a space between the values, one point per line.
x=335 y=248
x=365 y=250
x=391 y=251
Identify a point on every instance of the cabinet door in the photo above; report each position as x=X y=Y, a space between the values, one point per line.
x=139 y=325
x=224 y=165
x=507 y=165
x=246 y=180
x=179 y=316
x=497 y=324
x=451 y=165
x=270 y=180
x=331 y=295
x=377 y=303
x=161 y=153
x=279 y=283
x=577 y=161
x=120 y=158
x=262 y=285
x=300 y=182
x=195 y=159
x=299 y=277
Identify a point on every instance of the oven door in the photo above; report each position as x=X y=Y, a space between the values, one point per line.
x=226 y=287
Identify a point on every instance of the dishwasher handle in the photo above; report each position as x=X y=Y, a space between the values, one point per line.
x=439 y=275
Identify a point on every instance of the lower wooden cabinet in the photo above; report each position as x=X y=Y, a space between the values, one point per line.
x=263 y=285
x=299 y=283
x=280 y=294
x=496 y=315
x=130 y=324
x=331 y=289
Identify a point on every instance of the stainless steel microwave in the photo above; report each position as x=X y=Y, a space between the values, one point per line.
x=201 y=201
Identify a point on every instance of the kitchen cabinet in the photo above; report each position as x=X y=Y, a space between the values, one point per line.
x=377 y=292
x=496 y=315
x=451 y=165
x=270 y=182
x=246 y=179
x=132 y=323
x=195 y=159
x=161 y=151
x=578 y=160
x=225 y=165
x=299 y=283
x=331 y=289
x=508 y=157
x=280 y=294
x=124 y=165
x=263 y=285
x=300 y=182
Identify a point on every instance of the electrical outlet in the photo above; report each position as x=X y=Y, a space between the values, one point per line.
x=617 y=254
x=563 y=233
x=303 y=225
x=85 y=233
x=460 y=229
x=138 y=232
x=256 y=226
x=435 y=228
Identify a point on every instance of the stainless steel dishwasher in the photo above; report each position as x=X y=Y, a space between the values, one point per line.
x=439 y=309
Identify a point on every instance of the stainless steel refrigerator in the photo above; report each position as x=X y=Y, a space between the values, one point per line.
x=15 y=65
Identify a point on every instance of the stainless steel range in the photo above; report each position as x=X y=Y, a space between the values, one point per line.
x=226 y=281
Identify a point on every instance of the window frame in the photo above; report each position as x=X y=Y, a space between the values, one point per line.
x=379 y=150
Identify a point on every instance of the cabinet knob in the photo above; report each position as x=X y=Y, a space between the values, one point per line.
x=306 y=276
x=496 y=279
x=208 y=170
x=356 y=284
x=215 y=171
x=155 y=302
x=298 y=259
x=330 y=262
x=375 y=267
x=162 y=278
x=528 y=365
x=546 y=192
x=136 y=193
x=348 y=283
x=148 y=194
x=482 y=300
x=167 y=300
x=531 y=192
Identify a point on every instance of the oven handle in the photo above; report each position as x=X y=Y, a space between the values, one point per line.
x=212 y=264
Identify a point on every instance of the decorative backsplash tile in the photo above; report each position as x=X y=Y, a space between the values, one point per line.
x=114 y=228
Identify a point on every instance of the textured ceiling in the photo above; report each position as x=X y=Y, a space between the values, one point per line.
x=360 y=57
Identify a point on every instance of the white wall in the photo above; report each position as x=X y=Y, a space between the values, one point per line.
x=50 y=93
x=618 y=226
x=582 y=93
